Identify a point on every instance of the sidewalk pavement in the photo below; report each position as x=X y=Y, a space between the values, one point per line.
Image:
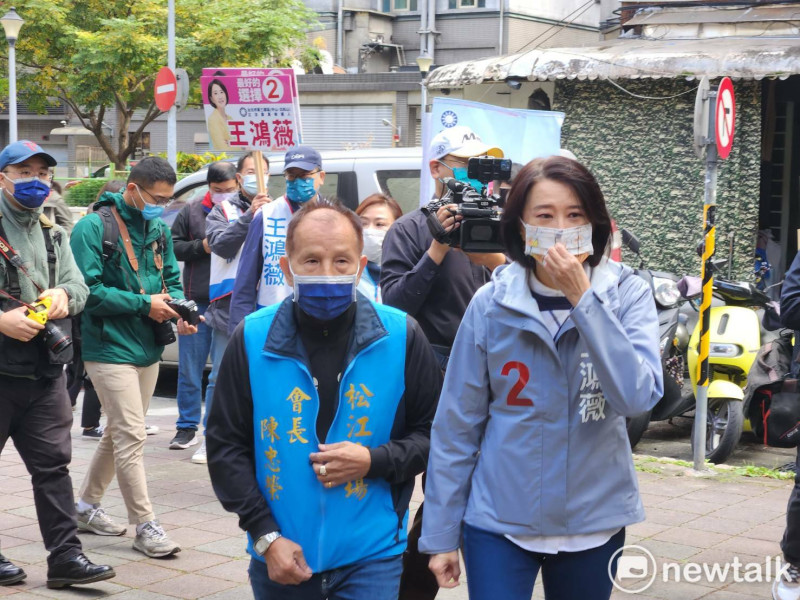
x=689 y=519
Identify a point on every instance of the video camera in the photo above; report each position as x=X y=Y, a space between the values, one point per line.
x=479 y=229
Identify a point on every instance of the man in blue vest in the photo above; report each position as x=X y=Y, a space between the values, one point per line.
x=321 y=422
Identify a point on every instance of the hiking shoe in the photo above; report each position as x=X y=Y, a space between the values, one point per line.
x=97 y=521
x=151 y=429
x=93 y=433
x=153 y=541
x=199 y=457
x=183 y=439
x=787 y=587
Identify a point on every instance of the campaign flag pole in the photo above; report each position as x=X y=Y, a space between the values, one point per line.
x=258 y=160
x=717 y=109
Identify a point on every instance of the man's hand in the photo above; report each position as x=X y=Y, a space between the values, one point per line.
x=450 y=222
x=185 y=328
x=59 y=303
x=15 y=324
x=490 y=260
x=567 y=273
x=159 y=311
x=343 y=462
x=286 y=564
x=206 y=247
x=446 y=568
x=259 y=201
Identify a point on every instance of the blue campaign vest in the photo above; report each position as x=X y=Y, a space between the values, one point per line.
x=352 y=522
x=222 y=273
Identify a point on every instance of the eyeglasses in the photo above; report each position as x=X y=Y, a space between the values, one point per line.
x=308 y=175
x=25 y=173
x=159 y=200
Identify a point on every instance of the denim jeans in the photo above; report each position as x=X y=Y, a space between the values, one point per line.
x=192 y=354
x=219 y=341
x=373 y=580
x=790 y=544
x=498 y=568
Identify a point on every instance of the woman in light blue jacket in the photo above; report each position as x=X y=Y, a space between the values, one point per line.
x=530 y=466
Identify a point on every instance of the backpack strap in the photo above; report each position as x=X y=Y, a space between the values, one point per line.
x=47 y=228
x=11 y=271
x=110 y=230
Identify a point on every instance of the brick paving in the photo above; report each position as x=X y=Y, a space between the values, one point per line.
x=709 y=519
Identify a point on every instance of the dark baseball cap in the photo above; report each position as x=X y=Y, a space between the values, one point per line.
x=302 y=157
x=21 y=151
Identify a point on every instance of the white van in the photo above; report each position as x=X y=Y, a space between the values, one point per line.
x=351 y=176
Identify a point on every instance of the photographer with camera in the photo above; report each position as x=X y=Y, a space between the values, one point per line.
x=434 y=282
x=41 y=288
x=125 y=253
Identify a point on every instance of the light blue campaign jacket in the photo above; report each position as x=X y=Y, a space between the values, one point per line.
x=529 y=438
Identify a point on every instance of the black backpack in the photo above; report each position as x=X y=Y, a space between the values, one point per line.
x=111 y=231
x=772 y=401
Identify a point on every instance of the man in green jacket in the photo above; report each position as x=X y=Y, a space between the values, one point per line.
x=124 y=327
x=36 y=264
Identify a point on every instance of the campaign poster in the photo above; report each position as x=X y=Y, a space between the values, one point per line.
x=251 y=109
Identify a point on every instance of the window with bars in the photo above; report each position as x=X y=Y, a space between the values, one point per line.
x=453 y=4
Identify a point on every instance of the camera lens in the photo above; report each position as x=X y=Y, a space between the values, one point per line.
x=55 y=339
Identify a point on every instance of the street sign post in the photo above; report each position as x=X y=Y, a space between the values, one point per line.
x=718 y=145
x=166 y=89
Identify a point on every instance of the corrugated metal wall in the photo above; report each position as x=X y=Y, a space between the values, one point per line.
x=347 y=127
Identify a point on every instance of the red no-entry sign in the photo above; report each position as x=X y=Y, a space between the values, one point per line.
x=725 y=117
x=166 y=89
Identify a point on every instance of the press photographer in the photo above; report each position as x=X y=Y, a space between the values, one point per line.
x=125 y=252
x=39 y=284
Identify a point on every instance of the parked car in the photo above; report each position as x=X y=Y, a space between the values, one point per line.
x=351 y=176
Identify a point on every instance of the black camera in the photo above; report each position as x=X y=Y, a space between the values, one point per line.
x=479 y=230
x=186 y=309
x=163 y=333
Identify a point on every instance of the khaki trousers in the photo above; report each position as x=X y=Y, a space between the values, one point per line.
x=124 y=392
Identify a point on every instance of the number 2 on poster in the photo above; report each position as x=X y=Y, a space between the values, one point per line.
x=523 y=376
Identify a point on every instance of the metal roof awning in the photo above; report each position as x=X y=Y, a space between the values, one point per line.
x=71 y=130
x=738 y=58
x=701 y=14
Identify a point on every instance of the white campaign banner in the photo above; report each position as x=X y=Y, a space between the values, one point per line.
x=522 y=135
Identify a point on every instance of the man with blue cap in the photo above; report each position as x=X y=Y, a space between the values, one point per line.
x=38 y=275
x=259 y=279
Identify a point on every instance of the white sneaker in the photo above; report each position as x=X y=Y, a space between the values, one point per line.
x=97 y=521
x=151 y=429
x=152 y=541
x=787 y=587
x=199 y=457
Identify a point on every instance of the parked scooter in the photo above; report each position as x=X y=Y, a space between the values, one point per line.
x=668 y=302
x=736 y=333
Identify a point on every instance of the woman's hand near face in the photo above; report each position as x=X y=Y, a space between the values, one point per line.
x=567 y=272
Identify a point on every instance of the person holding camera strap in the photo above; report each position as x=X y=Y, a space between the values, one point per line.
x=124 y=328
x=35 y=410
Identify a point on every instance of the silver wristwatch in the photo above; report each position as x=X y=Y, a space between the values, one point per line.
x=263 y=543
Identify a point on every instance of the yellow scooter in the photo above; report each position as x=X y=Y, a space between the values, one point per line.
x=736 y=335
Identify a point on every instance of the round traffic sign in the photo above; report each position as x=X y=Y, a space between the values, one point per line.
x=166 y=89
x=725 y=117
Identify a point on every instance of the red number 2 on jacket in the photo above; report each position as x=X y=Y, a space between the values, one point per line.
x=523 y=376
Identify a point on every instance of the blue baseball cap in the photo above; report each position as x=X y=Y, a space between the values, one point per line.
x=302 y=157
x=21 y=151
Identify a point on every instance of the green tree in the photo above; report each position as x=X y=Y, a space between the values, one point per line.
x=97 y=55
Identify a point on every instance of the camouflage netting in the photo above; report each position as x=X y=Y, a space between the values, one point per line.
x=641 y=152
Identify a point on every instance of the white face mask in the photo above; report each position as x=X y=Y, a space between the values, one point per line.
x=373 y=244
x=220 y=197
x=577 y=240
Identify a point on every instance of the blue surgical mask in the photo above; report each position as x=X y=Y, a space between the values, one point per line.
x=31 y=192
x=300 y=190
x=149 y=211
x=250 y=183
x=460 y=174
x=324 y=297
